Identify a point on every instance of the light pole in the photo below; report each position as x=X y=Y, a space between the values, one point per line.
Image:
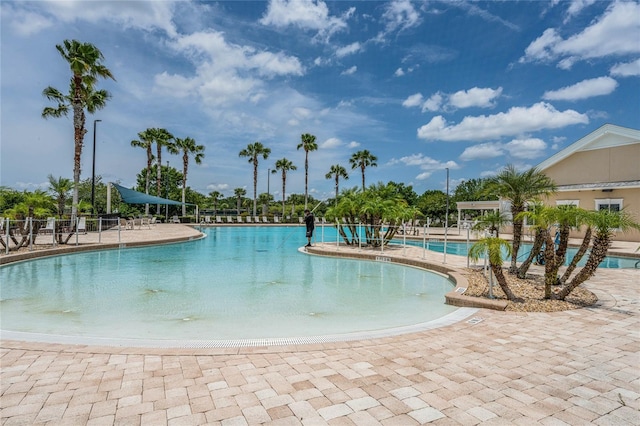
x=446 y=219
x=166 y=192
x=93 y=171
x=268 y=176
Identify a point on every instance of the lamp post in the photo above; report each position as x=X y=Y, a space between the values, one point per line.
x=268 y=176
x=93 y=171
x=166 y=192
x=446 y=219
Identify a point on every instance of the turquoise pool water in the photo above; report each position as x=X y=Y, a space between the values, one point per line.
x=461 y=249
x=238 y=283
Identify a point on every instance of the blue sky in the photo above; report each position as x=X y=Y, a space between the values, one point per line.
x=423 y=85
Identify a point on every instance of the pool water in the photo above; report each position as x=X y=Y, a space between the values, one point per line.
x=461 y=249
x=238 y=283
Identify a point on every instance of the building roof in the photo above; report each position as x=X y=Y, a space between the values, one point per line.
x=595 y=140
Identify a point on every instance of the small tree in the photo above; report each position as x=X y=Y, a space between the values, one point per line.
x=493 y=247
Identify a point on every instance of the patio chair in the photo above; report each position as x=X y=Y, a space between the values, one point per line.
x=300 y=219
x=49 y=228
x=175 y=219
x=82 y=225
x=248 y=219
x=229 y=219
x=218 y=219
x=264 y=219
x=239 y=219
x=256 y=219
x=276 y=219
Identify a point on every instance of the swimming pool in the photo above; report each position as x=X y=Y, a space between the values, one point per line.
x=238 y=283
x=461 y=249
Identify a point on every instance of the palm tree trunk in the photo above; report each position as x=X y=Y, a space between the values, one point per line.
x=284 y=179
x=537 y=245
x=337 y=178
x=255 y=189
x=185 y=164
x=78 y=136
x=517 y=237
x=599 y=251
x=502 y=281
x=362 y=177
x=578 y=256
x=550 y=266
x=159 y=175
x=306 y=178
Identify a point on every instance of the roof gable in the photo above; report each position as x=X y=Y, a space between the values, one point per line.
x=606 y=136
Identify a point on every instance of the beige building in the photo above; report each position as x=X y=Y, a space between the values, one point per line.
x=601 y=170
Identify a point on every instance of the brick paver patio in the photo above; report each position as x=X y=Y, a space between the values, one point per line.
x=574 y=367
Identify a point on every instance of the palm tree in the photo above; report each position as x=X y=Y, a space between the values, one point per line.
x=519 y=188
x=60 y=187
x=284 y=166
x=85 y=62
x=308 y=144
x=493 y=246
x=363 y=159
x=337 y=171
x=492 y=222
x=239 y=193
x=162 y=138
x=253 y=151
x=215 y=197
x=188 y=147
x=145 y=141
x=604 y=223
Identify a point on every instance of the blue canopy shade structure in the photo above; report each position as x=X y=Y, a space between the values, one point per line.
x=130 y=196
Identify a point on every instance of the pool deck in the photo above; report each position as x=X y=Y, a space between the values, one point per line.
x=573 y=367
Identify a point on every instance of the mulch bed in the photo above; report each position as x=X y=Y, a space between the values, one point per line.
x=530 y=290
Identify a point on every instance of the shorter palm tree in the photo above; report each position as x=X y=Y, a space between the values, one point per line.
x=239 y=193
x=284 y=166
x=215 y=197
x=253 y=151
x=188 y=147
x=337 y=171
x=308 y=143
x=492 y=222
x=363 y=159
x=60 y=187
x=493 y=247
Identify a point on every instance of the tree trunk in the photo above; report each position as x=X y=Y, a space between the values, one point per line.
x=578 y=256
x=601 y=245
x=159 y=175
x=517 y=237
x=284 y=180
x=502 y=281
x=537 y=245
x=550 y=266
x=255 y=188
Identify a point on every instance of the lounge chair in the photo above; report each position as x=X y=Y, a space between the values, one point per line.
x=49 y=228
x=239 y=219
x=300 y=219
x=218 y=219
x=207 y=219
x=248 y=219
x=264 y=219
x=256 y=219
x=175 y=219
x=229 y=219
x=276 y=219
x=82 y=225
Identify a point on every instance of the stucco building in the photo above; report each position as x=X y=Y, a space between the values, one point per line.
x=601 y=170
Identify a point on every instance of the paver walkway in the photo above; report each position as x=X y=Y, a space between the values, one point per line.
x=574 y=367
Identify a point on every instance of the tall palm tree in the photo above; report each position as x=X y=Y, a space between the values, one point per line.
x=337 y=171
x=308 y=144
x=85 y=62
x=493 y=247
x=253 y=151
x=284 y=166
x=519 y=188
x=145 y=141
x=363 y=159
x=215 y=197
x=60 y=188
x=162 y=137
x=239 y=193
x=188 y=147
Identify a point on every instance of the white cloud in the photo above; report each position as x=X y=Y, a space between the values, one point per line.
x=222 y=73
x=427 y=164
x=475 y=97
x=482 y=151
x=576 y=7
x=400 y=15
x=148 y=15
x=353 y=144
x=413 y=100
x=515 y=121
x=526 y=149
x=399 y=72
x=350 y=71
x=583 y=90
x=306 y=15
x=218 y=187
x=331 y=143
x=348 y=50
x=629 y=69
x=607 y=36
x=433 y=103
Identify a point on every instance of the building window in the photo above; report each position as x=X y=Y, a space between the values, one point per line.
x=568 y=203
x=612 y=204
